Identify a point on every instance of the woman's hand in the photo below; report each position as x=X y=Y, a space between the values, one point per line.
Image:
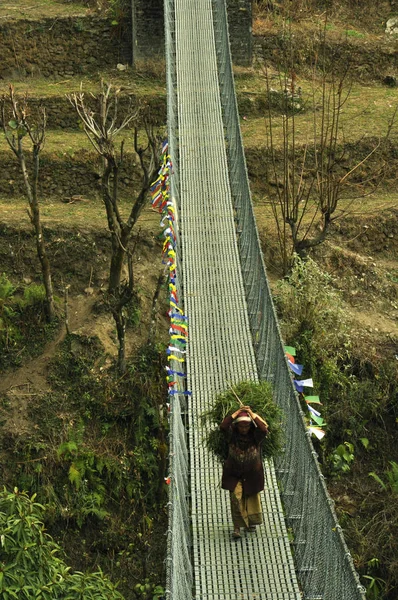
x=251 y=413
x=242 y=408
x=236 y=413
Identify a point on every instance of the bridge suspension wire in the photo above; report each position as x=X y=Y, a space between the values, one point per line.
x=233 y=335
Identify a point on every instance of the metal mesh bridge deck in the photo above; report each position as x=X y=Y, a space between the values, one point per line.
x=220 y=348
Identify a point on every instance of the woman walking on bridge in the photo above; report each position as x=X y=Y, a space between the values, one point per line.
x=243 y=473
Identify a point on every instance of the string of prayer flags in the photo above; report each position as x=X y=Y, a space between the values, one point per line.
x=316 y=421
x=160 y=192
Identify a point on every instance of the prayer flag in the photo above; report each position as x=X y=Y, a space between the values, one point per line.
x=173 y=357
x=171 y=349
x=313 y=399
x=298 y=369
x=317 y=431
x=175 y=372
x=298 y=386
x=306 y=382
x=290 y=350
x=313 y=411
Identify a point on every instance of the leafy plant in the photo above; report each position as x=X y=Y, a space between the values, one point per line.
x=33 y=294
x=259 y=397
x=310 y=306
x=375 y=585
x=31 y=566
x=392 y=478
x=342 y=458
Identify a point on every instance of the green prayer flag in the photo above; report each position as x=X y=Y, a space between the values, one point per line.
x=318 y=420
x=290 y=350
x=312 y=399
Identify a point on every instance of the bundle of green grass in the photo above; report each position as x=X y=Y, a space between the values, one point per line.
x=259 y=397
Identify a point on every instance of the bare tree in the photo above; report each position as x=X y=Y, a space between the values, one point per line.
x=102 y=128
x=16 y=130
x=311 y=180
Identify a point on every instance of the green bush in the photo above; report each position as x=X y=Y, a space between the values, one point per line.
x=31 y=567
x=259 y=397
x=33 y=295
x=309 y=305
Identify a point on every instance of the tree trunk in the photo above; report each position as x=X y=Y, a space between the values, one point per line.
x=115 y=275
x=34 y=215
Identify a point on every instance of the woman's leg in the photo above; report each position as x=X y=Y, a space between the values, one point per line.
x=238 y=509
x=254 y=512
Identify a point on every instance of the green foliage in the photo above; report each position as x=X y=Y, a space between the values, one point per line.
x=359 y=393
x=22 y=324
x=342 y=458
x=148 y=591
x=102 y=438
x=9 y=334
x=310 y=306
x=375 y=586
x=354 y=33
x=133 y=313
x=391 y=474
x=32 y=295
x=31 y=567
x=6 y=288
x=96 y=457
x=259 y=397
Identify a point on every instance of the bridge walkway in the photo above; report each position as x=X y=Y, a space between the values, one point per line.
x=260 y=566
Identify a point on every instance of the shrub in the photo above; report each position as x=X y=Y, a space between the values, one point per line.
x=31 y=566
x=308 y=303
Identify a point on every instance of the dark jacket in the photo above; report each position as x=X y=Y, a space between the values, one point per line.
x=244 y=457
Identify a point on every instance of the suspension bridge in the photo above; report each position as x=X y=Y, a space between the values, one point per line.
x=299 y=551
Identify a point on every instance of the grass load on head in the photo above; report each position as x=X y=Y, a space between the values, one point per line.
x=259 y=397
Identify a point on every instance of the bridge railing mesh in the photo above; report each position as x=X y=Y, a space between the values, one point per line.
x=324 y=565
x=179 y=577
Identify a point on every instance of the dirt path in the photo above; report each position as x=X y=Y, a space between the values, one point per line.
x=31 y=379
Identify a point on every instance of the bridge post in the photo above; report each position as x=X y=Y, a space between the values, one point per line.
x=147 y=22
x=147 y=28
x=240 y=19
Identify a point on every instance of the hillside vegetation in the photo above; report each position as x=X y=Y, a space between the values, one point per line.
x=91 y=442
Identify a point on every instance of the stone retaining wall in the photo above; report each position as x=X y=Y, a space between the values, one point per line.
x=61 y=47
x=69 y=172
x=64 y=176
x=61 y=114
x=371 y=62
